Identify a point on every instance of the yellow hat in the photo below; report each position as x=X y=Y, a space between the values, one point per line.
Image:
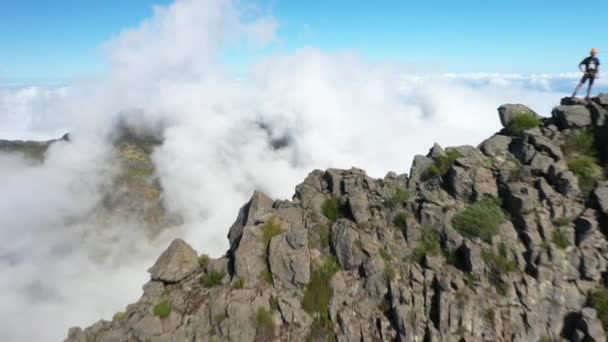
x=594 y=50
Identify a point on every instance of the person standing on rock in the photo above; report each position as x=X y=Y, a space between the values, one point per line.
x=591 y=71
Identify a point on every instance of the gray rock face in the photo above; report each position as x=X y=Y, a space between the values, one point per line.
x=289 y=259
x=572 y=116
x=370 y=270
x=176 y=263
x=507 y=112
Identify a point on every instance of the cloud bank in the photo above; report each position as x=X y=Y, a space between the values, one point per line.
x=221 y=136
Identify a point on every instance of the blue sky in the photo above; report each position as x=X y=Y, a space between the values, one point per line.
x=53 y=41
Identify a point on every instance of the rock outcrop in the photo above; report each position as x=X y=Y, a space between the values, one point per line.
x=501 y=242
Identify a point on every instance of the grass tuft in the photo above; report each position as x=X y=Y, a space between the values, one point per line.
x=265 y=327
x=598 y=300
x=442 y=164
x=522 y=122
x=213 y=278
x=560 y=239
x=332 y=209
x=162 y=310
x=429 y=245
x=400 y=196
x=480 y=220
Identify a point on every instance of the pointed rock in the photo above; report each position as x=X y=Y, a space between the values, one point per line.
x=176 y=263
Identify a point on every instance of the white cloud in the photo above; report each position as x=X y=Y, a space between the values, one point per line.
x=335 y=110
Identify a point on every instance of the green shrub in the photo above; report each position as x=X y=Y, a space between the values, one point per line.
x=323 y=231
x=203 y=260
x=598 y=300
x=318 y=292
x=119 y=316
x=580 y=142
x=266 y=329
x=385 y=254
x=429 y=245
x=522 y=122
x=271 y=229
x=321 y=330
x=499 y=265
x=390 y=274
x=562 y=221
x=213 y=278
x=266 y=276
x=317 y=296
x=442 y=164
x=219 y=318
x=479 y=220
x=400 y=221
x=239 y=284
x=560 y=239
x=332 y=209
x=587 y=171
x=162 y=310
x=581 y=155
x=400 y=196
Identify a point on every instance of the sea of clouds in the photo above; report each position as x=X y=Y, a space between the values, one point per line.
x=332 y=110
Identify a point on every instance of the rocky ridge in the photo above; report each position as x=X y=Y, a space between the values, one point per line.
x=501 y=242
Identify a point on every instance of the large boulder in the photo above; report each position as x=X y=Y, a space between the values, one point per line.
x=289 y=259
x=576 y=116
x=508 y=112
x=175 y=263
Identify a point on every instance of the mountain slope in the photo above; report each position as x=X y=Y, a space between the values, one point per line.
x=501 y=242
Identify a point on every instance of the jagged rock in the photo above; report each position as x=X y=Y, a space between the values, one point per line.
x=576 y=116
x=289 y=258
x=497 y=145
x=248 y=214
x=403 y=271
x=176 y=263
x=601 y=195
x=507 y=112
x=359 y=207
x=602 y=99
x=346 y=242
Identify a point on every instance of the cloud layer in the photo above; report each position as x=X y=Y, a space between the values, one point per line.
x=221 y=133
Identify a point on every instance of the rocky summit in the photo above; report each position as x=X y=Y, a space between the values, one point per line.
x=505 y=241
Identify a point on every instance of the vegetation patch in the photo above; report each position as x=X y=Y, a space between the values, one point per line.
x=385 y=254
x=162 y=310
x=271 y=229
x=523 y=122
x=332 y=209
x=119 y=316
x=429 y=245
x=581 y=155
x=442 y=164
x=480 y=220
x=390 y=274
x=560 y=239
x=400 y=221
x=586 y=170
x=203 y=260
x=499 y=265
x=401 y=196
x=317 y=296
x=213 y=278
x=239 y=284
x=265 y=327
x=598 y=300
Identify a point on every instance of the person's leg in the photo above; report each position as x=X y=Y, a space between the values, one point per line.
x=578 y=88
x=591 y=80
